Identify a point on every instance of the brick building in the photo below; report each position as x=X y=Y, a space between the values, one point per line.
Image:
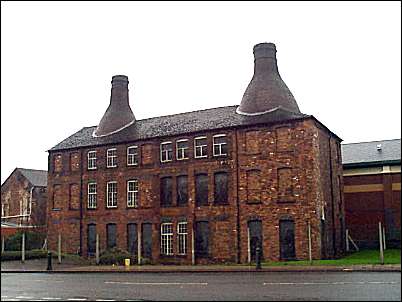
x=23 y=201
x=203 y=186
x=372 y=192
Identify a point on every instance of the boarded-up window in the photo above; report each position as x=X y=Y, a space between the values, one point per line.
x=132 y=235
x=166 y=191
x=201 y=239
x=201 y=189
x=254 y=186
x=146 y=154
x=252 y=144
x=74 y=203
x=283 y=139
x=111 y=235
x=57 y=202
x=285 y=187
x=147 y=240
x=287 y=239
x=57 y=163
x=91 y=239
x=255 y=237
x=182 y=193
x=221 y=188
x=74 y=162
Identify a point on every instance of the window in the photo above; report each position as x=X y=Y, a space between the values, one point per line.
x=74 y=203
x=132 y=156
x=285 y=188
x=132 y=193
x=201 y=190
x=111 y=158
x=166 y=191
x=252 y=141
x=74 y=162
x=91 y=239
x=58 y=164
x=182 y=237
x=201 y=238
x=57 y=197
x=220 y=145
x=91 y=160
x=166 y=239
x=132 y=238
x=111 y=194
x=182 y=149
x=166 y=151
x=92 y=195
x=253 y=186
x=182 y=194
x=220 y=188
x=200 y=147
x=111 y=235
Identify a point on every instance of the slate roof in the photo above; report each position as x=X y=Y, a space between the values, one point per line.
x=366 y=153
x=35 y=177
x=183 y=123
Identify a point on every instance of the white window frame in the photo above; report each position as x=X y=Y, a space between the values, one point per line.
x=220 y=145
x=132 y=195
x=166 y=152
x=182 y=238
x=132 y=156
x=91 y=166
x=92 y=196
x=113 y=158
x=167 y=239
x=111 y=202
x=181 y=150
x=200 y=147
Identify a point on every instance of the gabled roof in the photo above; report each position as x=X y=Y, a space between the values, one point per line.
x=366 y=153
x=35 y=177
x=183 y=123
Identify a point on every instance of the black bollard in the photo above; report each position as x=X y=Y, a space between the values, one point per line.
x=258 y=257
x=49 y=261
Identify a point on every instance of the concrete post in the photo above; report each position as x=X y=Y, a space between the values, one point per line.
x=97 y=249
x=59 y=249
x=383 y=239
x=347 y=240
x=310 y=257
x=139 y=239
x=192 y=246
x=381 y=247
x=248 y=246
x=23 y=248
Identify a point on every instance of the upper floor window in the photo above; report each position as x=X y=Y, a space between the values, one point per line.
x=74 y=162
x=182 y=149
x=201 y=190
x=111 y=158
x=111 y=194
x=167 y=239
x=182 y=237
x=166 y=191
x=132 y=156
x=220 y=145
x=92 y=195
x=220 y=188
x=58 y=164
x=166 y=151
x=200 y=147
x=132 y=193
x=182 y=192
x=91 y=160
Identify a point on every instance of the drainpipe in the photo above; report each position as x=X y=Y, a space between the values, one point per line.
x=237 y=200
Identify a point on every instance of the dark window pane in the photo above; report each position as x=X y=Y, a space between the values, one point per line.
x=255 y=232
x=91 y=240
x=201 y=189
x=132 y=238
x=166 y=191
x=111 y=235
x=182 y=195
x=201 y=238
x=147 y=240
x=287 y=239
x=221 y=188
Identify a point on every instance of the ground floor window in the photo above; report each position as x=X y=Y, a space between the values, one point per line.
x=111 y=235
x=182 y=237
x=167 y=239
x=201 y=238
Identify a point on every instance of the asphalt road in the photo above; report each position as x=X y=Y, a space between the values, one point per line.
x=201 y=286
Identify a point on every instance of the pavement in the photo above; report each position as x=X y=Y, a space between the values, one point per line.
x=69 y=266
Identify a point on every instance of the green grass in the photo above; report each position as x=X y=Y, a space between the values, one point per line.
x=391 y=256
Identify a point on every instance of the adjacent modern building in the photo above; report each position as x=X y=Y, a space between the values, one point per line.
x=203 y=186
x=372 y=178
x=23 y=201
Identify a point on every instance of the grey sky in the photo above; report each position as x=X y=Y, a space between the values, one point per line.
x=341 y=60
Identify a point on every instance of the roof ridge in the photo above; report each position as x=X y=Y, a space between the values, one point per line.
x=31 y=169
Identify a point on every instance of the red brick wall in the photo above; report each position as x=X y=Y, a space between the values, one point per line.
x=296 y=146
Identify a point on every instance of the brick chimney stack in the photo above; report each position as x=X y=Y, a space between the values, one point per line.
x=118 y=115
x=266 y=91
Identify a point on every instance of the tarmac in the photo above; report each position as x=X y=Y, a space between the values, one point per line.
x=68 y=266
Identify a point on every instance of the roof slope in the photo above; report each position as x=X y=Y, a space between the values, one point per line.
x=35 y=177
x=183 y=123
x=367 y=153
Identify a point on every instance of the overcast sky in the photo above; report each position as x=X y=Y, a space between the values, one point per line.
x=342 y=62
